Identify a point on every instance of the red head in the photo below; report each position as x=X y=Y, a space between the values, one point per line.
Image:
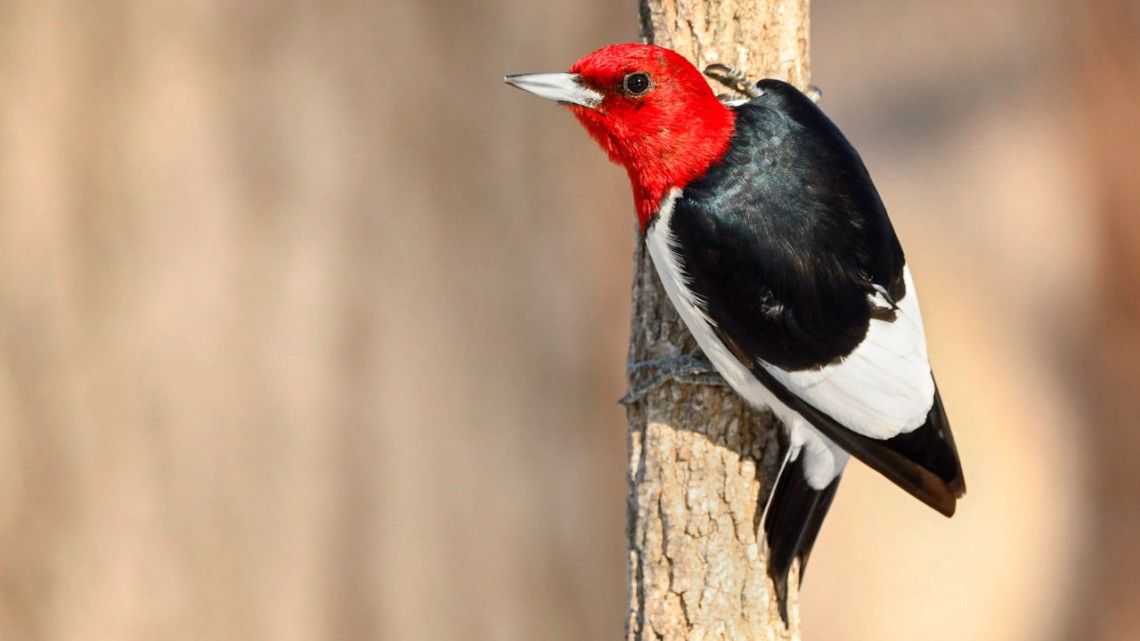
x=649 y=109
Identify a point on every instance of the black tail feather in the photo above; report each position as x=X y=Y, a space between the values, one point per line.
x=924 y=462
x=791 y=524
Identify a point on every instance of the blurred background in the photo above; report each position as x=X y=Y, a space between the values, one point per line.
x=312 y=329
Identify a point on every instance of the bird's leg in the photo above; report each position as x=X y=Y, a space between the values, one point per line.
x=735 y=80
x=692 y=369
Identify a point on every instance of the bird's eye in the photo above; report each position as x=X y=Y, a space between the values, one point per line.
x=636 y=84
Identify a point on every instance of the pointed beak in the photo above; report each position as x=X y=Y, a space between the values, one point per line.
x=561 y=87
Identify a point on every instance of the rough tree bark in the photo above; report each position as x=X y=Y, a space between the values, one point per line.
x=701 y=460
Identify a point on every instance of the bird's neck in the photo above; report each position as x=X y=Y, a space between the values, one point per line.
x=675 y=156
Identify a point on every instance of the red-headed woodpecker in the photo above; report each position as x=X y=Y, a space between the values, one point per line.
x=775 y=249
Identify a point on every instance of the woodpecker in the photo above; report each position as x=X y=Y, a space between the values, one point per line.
x=775 y=249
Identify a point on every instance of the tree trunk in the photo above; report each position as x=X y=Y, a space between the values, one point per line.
x=700 y=458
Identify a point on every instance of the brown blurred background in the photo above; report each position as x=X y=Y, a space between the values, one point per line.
x=312 y=329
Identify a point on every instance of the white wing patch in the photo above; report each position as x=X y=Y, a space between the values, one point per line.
x=881 y=389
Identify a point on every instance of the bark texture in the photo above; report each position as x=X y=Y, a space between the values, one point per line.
x=701 y=461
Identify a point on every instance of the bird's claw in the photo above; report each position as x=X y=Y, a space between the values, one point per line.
x=733 y=79
x=688 y=369
x=736 y=81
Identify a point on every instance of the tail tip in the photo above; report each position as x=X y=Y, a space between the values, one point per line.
x=780 y=584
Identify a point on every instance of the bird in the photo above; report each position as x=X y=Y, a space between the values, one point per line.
x=774 y=247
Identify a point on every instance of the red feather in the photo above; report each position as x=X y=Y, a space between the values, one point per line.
x=665 y=137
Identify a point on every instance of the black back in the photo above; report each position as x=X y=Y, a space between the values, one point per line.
x=785 y=236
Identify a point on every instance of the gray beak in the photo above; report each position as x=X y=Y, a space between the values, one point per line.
x=561 y=87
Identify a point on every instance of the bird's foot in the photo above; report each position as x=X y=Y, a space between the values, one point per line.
x=736 y=81
x=733 y=79
x=692 y=369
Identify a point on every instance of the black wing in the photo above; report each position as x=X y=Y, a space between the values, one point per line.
x=788 y=248
x=786 y=236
